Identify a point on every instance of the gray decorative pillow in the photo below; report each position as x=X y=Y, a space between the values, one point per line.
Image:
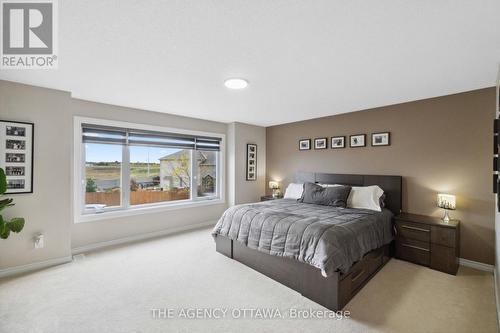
x=328 y=196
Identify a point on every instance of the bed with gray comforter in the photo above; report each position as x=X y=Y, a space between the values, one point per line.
x=328 y=238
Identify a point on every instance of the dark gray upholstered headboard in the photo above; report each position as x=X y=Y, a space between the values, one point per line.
x=392 y=185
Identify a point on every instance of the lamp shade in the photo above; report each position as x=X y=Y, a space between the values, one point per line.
x=274 y=185
x=446 y=201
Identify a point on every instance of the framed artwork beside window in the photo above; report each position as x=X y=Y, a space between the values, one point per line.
x=251 y=161
x=16 y=155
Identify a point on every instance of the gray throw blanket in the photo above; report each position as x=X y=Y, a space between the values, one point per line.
x=325 y=237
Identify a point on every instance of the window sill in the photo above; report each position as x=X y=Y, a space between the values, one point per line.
x=145 y=210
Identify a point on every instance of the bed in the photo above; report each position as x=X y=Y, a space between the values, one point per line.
x=325 y=253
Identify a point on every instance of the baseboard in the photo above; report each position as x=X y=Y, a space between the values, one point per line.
x=34 y=266
x=135 y=238
x=477 y=265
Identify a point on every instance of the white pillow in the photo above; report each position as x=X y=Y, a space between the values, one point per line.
x=294 y=191
x=366 y=197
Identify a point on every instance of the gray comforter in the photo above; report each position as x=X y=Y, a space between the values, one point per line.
x=325 y=237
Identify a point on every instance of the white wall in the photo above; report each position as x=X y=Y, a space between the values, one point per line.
x=241 y=190
x=48 y=209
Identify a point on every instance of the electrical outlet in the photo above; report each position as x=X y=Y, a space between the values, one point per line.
x=39 y=241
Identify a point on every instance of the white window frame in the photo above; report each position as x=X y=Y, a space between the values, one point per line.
x=125 y=209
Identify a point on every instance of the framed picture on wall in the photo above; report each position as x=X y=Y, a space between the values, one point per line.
x=305 y=144
x=16 y=155
x=495 y=183
x=320 y=143
x=337 y=142
x=495 y=145
x=251 y=161
x=381 y=139
x=358 y=140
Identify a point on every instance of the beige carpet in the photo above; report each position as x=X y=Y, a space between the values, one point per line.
x=115 y=290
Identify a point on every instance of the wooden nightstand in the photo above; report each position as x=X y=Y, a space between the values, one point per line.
x=428 y=241
x=269 y=197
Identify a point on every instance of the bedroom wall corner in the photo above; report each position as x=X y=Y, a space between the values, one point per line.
x=239 y=189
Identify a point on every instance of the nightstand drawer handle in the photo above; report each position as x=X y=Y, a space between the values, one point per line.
x=414 y=228
x=416 y=247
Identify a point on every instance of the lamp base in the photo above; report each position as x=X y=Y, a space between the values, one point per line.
x=446 y=217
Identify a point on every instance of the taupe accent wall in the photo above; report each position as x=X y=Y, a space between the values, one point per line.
x=441 y=144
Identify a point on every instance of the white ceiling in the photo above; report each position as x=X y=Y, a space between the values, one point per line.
x=303 y=59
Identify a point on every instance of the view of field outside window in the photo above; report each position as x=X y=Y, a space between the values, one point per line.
x=207 y=173
x=156 y=175
x=103 y=166
x=159 y=174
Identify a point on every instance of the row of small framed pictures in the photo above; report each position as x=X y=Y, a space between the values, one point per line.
x=336 y=142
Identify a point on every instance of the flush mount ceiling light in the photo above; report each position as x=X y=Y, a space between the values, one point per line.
x=236 y=83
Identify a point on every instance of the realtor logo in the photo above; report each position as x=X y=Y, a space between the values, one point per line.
x=29 y=39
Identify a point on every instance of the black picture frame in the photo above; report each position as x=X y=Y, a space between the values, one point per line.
x=495 y=163
x=495 y=145
x=11 y=146
x=357 y=136
x=495 y=184
x=495 y=126
x=324 y=146
x=374 y=136
x=334 y=145
x=305 y=141
x=251 y=169
x=498 y=200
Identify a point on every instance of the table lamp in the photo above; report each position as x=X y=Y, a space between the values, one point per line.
x=447 y=202
x=275 y=186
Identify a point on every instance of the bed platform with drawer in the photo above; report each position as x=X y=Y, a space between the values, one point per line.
x=325 y=253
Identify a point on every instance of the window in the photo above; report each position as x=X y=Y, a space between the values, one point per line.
x=159 y=174
x=206 y=172
x=103 y=169
x=123 y=168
